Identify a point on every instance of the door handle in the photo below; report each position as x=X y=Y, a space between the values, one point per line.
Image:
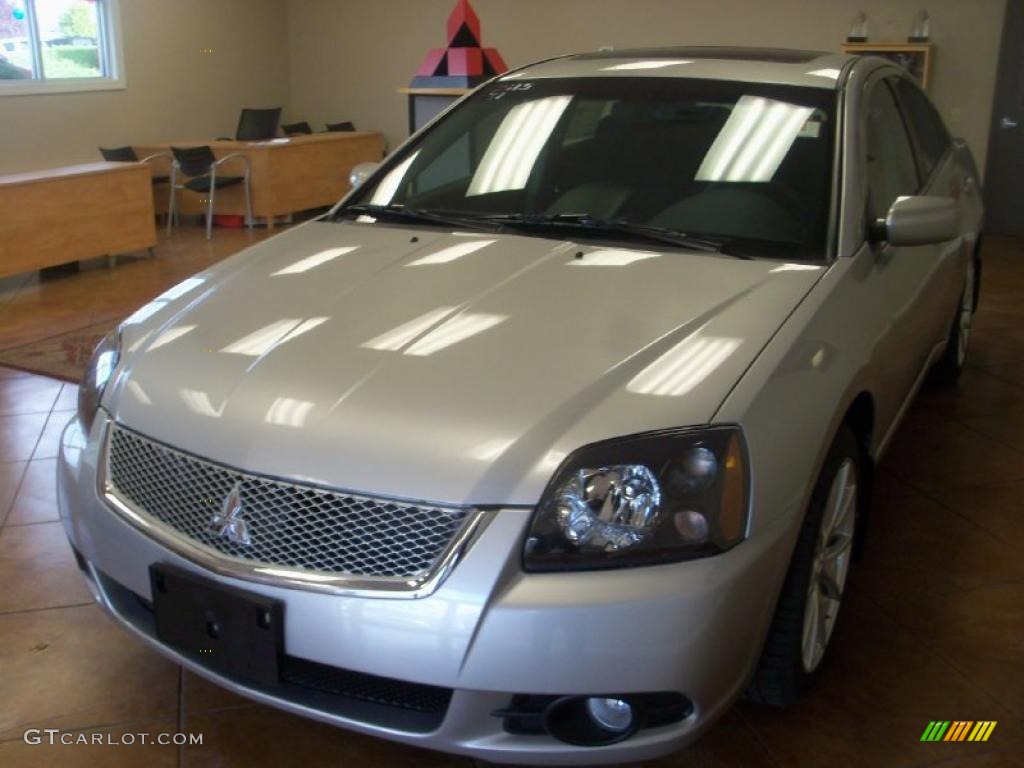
x=1007 y=122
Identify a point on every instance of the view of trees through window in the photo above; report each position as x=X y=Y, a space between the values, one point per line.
x=52 y=40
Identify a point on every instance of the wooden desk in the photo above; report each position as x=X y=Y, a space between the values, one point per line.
x=287 y=175
x=79 y=212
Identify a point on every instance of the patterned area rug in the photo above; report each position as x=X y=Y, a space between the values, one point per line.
x=63 y=356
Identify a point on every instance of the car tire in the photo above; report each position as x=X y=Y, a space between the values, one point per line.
x=811 y=596
x=947 y=368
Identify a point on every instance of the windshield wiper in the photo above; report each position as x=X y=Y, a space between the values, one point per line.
x=419 y=216
x=586 y=222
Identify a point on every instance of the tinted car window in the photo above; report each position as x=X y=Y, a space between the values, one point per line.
x=891 y=169
x=929 y=133
x=747 y=163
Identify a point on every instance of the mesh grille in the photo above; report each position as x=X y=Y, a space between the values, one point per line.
x=289 y=525
x=357 y=685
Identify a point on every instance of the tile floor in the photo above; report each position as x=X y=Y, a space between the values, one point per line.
x=933 y=628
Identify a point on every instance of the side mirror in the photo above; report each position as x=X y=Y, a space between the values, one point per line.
x=921 y=220
x=361 y=173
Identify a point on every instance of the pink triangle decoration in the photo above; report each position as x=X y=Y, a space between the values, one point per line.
x=464 y=63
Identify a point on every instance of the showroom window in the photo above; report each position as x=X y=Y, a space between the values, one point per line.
x=49 y=46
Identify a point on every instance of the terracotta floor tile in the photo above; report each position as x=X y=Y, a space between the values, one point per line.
x=1006 y=426
x=49 y=440
x=260 y=736
x=126 y=751
x=36 y=502
x=977 y=393
x=19 y=435
x=10 y=478
x=27 y=394
x=942 y=454
x=978 y=756
x=200 y=695
x=1010 y=372
x=999 y=509
x=38 y=569
x=74 y=668
x=730 y=743
x=875 y=695
x=987 y=644
x=916 y=546
x=1005 y=345
x=887 y=488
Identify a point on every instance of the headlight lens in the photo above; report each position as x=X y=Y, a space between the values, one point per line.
x=653 y=498
x=101 y=365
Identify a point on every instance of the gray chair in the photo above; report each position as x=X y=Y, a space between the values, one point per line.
x=198 y=166
x=296 y=129
x=128 y=155
x=257 y=124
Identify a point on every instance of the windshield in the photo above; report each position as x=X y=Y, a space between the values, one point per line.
x=744 y=166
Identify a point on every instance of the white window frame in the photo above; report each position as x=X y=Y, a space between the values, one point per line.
x=111 y=55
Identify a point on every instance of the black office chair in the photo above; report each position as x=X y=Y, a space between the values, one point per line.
x=127 y=155
x=199 y=167
x=258 y=124
x=343 y=127
x=296 y=129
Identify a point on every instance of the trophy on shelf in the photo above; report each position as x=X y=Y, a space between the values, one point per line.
x=919 y=32
x=859 y=29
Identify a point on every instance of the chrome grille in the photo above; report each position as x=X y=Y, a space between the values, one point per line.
x=290 y=525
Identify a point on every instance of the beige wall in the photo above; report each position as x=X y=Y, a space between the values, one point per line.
x=174 y=91
x=343 y=59
x=349 y=56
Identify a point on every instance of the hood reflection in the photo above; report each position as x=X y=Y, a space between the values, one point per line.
x=684 y=366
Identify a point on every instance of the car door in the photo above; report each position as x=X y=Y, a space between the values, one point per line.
x=904 y=278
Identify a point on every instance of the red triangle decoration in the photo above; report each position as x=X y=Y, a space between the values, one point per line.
x=464 y=63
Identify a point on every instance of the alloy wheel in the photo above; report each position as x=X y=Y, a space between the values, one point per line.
x=830 y=565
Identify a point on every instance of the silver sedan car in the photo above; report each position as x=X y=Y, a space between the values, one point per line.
x=557 y=434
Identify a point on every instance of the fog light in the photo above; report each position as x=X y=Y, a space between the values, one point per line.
x=613 y=715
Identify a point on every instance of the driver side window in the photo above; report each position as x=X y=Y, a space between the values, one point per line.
x=891 y=172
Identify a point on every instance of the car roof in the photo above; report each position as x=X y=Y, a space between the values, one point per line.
x=817 y=69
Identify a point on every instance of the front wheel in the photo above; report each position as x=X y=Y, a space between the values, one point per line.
x=805 y=617
x=947 y=368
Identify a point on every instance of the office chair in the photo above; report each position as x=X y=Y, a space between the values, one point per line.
x=127 y=155
x=199 y=167
x=257 y=124
x=343 y=127
x=296 y=129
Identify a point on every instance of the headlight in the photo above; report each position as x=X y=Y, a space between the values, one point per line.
x=101 y=365
x=652 y=498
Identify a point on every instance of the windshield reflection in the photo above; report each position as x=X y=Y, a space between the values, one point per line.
x=737 y=162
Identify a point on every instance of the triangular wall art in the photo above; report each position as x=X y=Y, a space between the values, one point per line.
x=463 y=63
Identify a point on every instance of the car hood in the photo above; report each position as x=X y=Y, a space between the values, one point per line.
x=454 y=367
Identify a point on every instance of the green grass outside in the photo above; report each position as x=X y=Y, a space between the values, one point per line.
x=67 y=61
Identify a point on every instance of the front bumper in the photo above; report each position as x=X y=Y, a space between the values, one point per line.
x=487 y=633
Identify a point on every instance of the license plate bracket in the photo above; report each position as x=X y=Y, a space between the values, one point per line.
x=228 y=630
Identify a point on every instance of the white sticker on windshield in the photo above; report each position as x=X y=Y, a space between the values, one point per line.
x=811 y=130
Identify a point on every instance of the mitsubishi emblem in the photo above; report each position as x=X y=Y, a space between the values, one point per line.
x=228 y=523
